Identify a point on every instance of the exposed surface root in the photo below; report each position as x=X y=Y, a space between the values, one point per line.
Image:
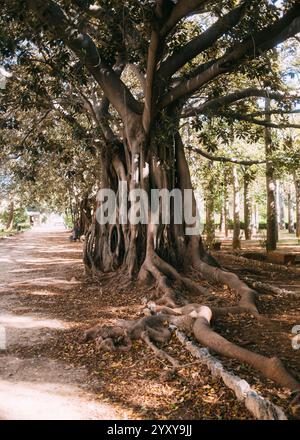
x=163 y=273
x=198 y=323
x=194 y=319
x=270 y=289
x=255 y=265
x=158 y=352
x=148 y=329
x=271 y=368
x=261 y=408
x=219 y=276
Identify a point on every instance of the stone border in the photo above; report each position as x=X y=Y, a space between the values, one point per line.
x=262 y=409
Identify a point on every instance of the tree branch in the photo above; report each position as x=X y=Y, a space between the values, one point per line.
x=155 y=51
x=274 y=112
x=82 y=45
x=201 y=43
x=129 y=32
x=223 y=159
x=33 y=128
x=252 y=47
x=181 y=10
x=249 y=118
x=221 y=101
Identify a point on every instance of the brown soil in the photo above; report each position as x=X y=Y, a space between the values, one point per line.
x=46 y=302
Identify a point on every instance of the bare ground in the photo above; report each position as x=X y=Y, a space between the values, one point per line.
x=38 y=387
x=46 y=372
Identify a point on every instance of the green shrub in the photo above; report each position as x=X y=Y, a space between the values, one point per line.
x=68 y=221
x=20 y=217
x=231 y=225
x=262 y=226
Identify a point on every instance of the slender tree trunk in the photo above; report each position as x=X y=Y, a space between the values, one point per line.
x=210 y=208
x=290 y=211
x=236 y=243
x=272 y=227
x=85 y=216
x=297 y=191
x=225 y=206
x=10 y=219
x=221 y=224
x=247 y=209
x=280 y=206
x=210 y=224
x=254 y=220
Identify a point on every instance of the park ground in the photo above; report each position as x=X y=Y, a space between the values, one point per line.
x=46 y=303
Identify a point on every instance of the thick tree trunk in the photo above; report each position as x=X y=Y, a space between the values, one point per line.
x=236 y=242
x=159 y=253
x=158 y=164
x=272 y=227
x=10 y=219
x=297 y=191
x=247 y=209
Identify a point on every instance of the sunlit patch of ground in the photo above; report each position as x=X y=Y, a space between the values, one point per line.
x=49 y=401
x=45 y=282
x=43 y=293
x=31 y=321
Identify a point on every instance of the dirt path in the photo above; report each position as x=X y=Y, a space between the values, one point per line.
x=40 y=263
